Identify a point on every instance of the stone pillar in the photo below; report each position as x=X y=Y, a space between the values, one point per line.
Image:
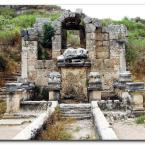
x=56 y=46
x=91 y=40
x=24 y=59
x=135 y=89
x=13 y=102
x=82 y=38
x=122 y=60
x=95 y=86
x=17 y=92
x=137 y=102
x=29 y=59
x=54 y=86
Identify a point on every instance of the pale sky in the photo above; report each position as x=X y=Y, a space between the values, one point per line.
x=129 y=8
x=115 y=12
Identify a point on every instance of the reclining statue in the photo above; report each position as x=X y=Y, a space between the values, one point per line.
x=73 y=54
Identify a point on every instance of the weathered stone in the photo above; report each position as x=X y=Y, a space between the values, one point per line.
x=135 y=86
x=102 y=49
x=90 y=45
x=54 y=77
x=105 y=43
x=99 y=36
x=96 y=22
x=105 y=36
x=137 y=102
x=124 y=77
x=56 y=41
x=90 y=28
x=94 y=96
x=87 y=20
x=97 y=64
x=108 y=63
x=117 y=32
x=91 y=36
x=102 y=54
x=99 y=43
x=71 y=53
x=94 y=82
x=74 y=82
x=79 y=11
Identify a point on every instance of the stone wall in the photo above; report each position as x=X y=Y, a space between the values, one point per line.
x=105 y=46
x=74 y=83
x=110 y=40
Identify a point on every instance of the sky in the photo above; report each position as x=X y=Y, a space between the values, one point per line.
x=114 y=9
x=115 y=12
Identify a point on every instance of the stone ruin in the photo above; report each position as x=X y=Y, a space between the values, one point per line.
x=83 y=73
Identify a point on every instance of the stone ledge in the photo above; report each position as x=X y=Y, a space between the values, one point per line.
x=85 y=64
x=102 y=126
x=31 y=130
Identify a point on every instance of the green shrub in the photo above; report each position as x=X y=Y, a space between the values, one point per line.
x=72 y=39
x=48 y=34
x=140 y=120
x=7 y=12
x=106 y=22
x=24 y=21
x=134 y=51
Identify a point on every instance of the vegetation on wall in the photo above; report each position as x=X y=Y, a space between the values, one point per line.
x=45 y=43
x=48 y=34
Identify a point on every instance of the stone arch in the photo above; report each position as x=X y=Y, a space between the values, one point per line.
x=73 y=21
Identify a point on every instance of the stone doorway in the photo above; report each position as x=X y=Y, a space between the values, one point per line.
x=73 y=27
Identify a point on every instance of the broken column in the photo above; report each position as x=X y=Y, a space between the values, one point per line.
x=54 y=86
x=16 y=92
x=135 y=89
x=130 y=91
x=14 y=95
x=94 y=86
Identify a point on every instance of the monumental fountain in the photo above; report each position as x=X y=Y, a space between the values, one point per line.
x=83 y=75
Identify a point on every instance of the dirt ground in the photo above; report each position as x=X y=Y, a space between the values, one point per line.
x=82 y=130
x=129 y=130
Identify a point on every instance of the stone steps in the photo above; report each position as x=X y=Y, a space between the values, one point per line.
x=76 y=111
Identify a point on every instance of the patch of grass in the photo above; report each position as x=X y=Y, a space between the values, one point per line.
x=55 y=128
x=73 y=38
x=140 y=120
x=2 y=108
x=11 y=24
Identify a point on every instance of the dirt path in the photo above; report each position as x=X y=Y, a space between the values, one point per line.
x=129 y=130
x=82 y=130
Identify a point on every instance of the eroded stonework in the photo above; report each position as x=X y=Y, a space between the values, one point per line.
x=105 y=47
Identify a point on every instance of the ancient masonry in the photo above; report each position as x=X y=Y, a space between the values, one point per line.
x=82 y=74
x=104 y=62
